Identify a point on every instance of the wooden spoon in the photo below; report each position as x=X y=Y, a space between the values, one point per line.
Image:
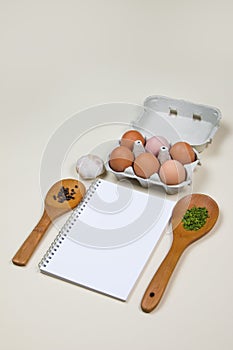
x=182 y=238
x=63 y=196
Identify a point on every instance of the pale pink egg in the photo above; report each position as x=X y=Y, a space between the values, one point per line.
x=154 y=143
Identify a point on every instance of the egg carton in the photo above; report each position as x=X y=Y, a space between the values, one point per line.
x=176 y=120
x=155 y=179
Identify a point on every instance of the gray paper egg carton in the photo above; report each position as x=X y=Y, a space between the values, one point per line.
x=176 y=120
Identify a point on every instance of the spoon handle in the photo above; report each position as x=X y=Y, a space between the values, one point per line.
x=27 y=248
x=157 y=286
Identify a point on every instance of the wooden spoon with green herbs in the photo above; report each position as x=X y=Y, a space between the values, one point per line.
x=62 y=197
x=193 y=216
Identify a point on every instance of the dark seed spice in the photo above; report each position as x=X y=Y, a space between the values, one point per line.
x=64 y=194
x=195 y=218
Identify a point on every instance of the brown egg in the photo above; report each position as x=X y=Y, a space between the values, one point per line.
x=145 y=165
x=183 y=152
x=130 y=136
x=172 y=172
x=121 y=158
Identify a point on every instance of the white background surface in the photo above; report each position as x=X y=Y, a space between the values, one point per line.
x=58 y=57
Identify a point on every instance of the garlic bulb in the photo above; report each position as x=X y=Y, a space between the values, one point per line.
x=90 y=166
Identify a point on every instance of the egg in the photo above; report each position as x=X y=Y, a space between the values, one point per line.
x=129 y=137
x=172 y=172
x=183 y=152
x=154 y=144
x=145 y=165
x=121 y=158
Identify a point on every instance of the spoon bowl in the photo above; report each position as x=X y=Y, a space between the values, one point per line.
x=62 y=197
x=182 y=238
x=188 y=202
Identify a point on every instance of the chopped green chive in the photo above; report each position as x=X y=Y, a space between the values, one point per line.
x=195 y=218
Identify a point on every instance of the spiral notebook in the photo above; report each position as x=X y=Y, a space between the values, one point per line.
x=108 y=238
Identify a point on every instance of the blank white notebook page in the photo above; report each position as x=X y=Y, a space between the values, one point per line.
x=109 y=238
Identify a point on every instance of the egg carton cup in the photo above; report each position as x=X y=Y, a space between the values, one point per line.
x=176 y=120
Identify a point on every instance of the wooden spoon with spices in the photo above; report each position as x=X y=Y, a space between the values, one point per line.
x=62 y=197
x=182 y=238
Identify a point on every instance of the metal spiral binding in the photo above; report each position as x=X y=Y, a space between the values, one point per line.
x=68 y=225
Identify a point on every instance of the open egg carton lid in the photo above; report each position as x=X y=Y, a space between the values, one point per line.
x=176 y=120
x=179 y=120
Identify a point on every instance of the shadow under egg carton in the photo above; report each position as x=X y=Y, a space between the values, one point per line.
x=155 y=179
